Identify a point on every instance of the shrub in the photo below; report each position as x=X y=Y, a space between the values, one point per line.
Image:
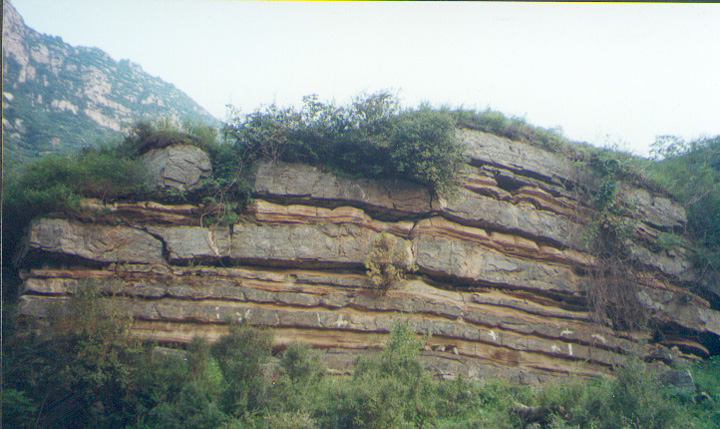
x=80 y=368
x=391 y=390
x=194 y=407
x=514 y=128
x=384 y=264
x=423 y=148
x=290 y=420
x=370 y=138
x=297 y=388
x=370 y=400
x=400 y=354
x=18 y=411
x=302 y=365
x=240 y=355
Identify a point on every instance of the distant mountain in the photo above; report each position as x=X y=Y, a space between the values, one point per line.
x=59 y=98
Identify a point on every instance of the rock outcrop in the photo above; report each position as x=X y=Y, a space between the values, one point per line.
x=496 y=276
x=180 y=167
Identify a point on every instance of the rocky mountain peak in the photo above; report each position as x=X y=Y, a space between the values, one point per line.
x=59 y=98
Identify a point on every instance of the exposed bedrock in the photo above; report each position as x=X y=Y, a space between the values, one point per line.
x=496 y=276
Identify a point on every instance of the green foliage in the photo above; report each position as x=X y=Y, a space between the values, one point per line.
x=79 y=370
x=17 y=410
x=301 y=365
x=290 y=420
x=423 y=148
x=240 y=356
x=370 y=137
x=666 y=240
x=392 y=391
x=514 y=128
x=401 y=353
x=162 y=132
x=194 y=407
x=634 y=400
x=57 y=182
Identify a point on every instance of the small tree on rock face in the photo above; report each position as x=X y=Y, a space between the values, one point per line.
x=383 y=264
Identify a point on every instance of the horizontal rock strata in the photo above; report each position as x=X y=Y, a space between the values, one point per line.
x=496 y=276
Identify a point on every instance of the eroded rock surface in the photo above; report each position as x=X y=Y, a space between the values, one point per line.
x=98 y=243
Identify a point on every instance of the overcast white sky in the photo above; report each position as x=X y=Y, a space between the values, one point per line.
x=604 y=73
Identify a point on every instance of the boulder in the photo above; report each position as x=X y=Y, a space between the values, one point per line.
x=181 y=167
x=682 y=381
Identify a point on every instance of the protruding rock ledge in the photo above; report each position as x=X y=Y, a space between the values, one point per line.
x=484 y=148
x=101 y=243
x=301 y=182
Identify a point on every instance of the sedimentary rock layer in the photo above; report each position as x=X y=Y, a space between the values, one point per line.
x=496 y=276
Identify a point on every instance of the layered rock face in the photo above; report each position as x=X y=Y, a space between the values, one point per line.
x=496 y=276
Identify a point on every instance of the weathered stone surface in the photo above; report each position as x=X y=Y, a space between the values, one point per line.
x=466 y=339
x=490 y=149
x=654 y=210
x=320 y=244
x=681 y=380
x=298 y=181
x=193 y=242
x=182 y=167
x=672 y=263
x=681 y=308
x=146 y=212
x=506 y=243
x=101 y=243
x=469 y=207
x=477 y=263
x=268 y=212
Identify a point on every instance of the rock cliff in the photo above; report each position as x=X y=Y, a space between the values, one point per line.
x=57 y=97
x=497 y=276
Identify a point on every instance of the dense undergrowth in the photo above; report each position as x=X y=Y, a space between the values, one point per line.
x=84 y=369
